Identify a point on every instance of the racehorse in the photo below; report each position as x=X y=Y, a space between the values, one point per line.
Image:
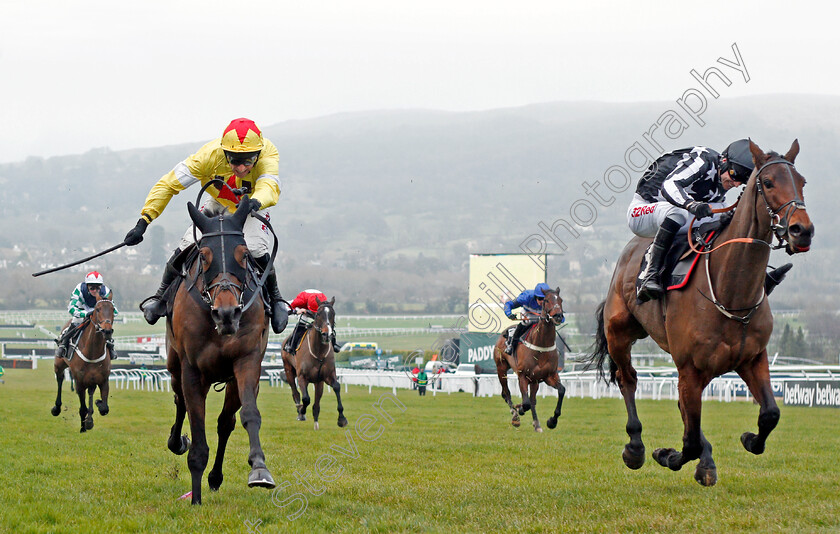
x=91 y=366
x=720 y=323
x=314 y=363
x=536 y=360
x=212 y=338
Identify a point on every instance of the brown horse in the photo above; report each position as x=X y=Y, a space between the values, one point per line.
x=314 y=363
x=536 y=360
x=91 y=365
x=720 y=323
x=212 y=338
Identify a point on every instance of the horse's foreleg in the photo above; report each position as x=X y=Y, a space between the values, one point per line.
x=757 y=377
x=618 y=346
x=695 y=444
x=291 y=378
x=195 y=396
x=102 y=403
x=60 y=366
x=177 y=443
x=554 y=381
x=304 y=401
x=247 y=372
x=502 y=369
x=225 y=425
x=316 y=406
x=342 y=421
x=523 y=389
x=534 y=386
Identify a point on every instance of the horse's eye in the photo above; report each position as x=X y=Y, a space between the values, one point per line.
x=768 y=184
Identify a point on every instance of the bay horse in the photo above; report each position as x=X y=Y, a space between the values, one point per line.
x=212 y=338
x=536 y=360
x=314 y=363
x=91 y=365
x=721 y=322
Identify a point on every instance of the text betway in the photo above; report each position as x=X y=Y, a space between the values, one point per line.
x=820 y=393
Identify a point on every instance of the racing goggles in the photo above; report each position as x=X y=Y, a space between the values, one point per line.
x=242 y=158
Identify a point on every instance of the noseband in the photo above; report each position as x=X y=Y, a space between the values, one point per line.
x=779 y=224
x=96 y=311
x=212 y=290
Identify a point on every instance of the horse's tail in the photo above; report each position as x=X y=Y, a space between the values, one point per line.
x=599 y=348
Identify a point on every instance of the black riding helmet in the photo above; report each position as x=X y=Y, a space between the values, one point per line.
x=737 y=157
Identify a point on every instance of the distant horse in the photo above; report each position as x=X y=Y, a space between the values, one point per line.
x=91 y=365
x=212 y=338
x=536 y=360
x=720 y=323
x=314 y=363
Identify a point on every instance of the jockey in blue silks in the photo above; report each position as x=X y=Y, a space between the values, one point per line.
x=530 y=300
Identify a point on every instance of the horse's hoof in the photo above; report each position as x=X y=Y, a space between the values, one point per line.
x=634 y=459
x=552 y=422
x=523 y=409
x=316 y=425
x=301 y=417
x=706 y=477
x=55 y=410
x=260 y=477
x=83 y=429
x=667 y=458
x=749 y=441
x=88 y=424
x=538 y=429
x=342 y=421
x=214 y=480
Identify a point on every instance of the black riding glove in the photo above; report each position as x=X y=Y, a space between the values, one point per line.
x=512 y=317
x=699 y=209
x=135 y=235
x=252 y=204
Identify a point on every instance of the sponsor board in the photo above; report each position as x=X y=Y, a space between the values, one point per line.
x=812 y=393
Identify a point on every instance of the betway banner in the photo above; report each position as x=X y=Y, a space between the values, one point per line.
x=812 y=393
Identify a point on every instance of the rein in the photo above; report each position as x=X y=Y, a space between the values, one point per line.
x=97 y=326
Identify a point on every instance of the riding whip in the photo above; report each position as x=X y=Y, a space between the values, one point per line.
x=54 y=269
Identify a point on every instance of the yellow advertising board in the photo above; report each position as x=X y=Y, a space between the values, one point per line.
x=496 y=279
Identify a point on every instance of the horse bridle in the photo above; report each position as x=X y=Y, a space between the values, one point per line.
x=212 y=290
x=545 y=314
x=98 y=325
x=780 y=224
x=327 y=307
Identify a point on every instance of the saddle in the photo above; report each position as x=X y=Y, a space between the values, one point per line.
x=680 y=259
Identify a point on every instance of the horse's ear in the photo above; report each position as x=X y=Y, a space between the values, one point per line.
x=241 y=215
x=197 y=217
x=319 y=301
x=758 y=155
x=793 y=152
x=557 y=291
x=332 y=301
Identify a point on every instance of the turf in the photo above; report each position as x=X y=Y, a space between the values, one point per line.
x=450 y=463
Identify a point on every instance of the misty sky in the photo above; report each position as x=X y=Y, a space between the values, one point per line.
x=84 y=74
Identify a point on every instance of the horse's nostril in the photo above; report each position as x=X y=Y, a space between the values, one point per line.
x=795 y=230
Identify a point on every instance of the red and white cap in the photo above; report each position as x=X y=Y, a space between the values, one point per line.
x=94 y=277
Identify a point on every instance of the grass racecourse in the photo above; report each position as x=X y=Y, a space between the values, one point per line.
x=450 y=463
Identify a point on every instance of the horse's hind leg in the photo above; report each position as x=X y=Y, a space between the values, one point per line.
x=342 y=421
x=226 y=424
x=618 y=329
x=757 y=377
x=534 y=386
x=85 y=413
x=695 y=444
x=102 y=403
x=502 y=368
x=316 y=406
x=554 y=381
x=60 y=366
x=523 y=389
x=291 y=378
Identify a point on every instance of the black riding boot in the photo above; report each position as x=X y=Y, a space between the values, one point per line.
x=336 y=346
x=112 y=352
x=294 y=340
x=775 y=277
x=651 y=287
x=154 y=307
x=63 y=342
x=279 y=309
x=513 y=340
